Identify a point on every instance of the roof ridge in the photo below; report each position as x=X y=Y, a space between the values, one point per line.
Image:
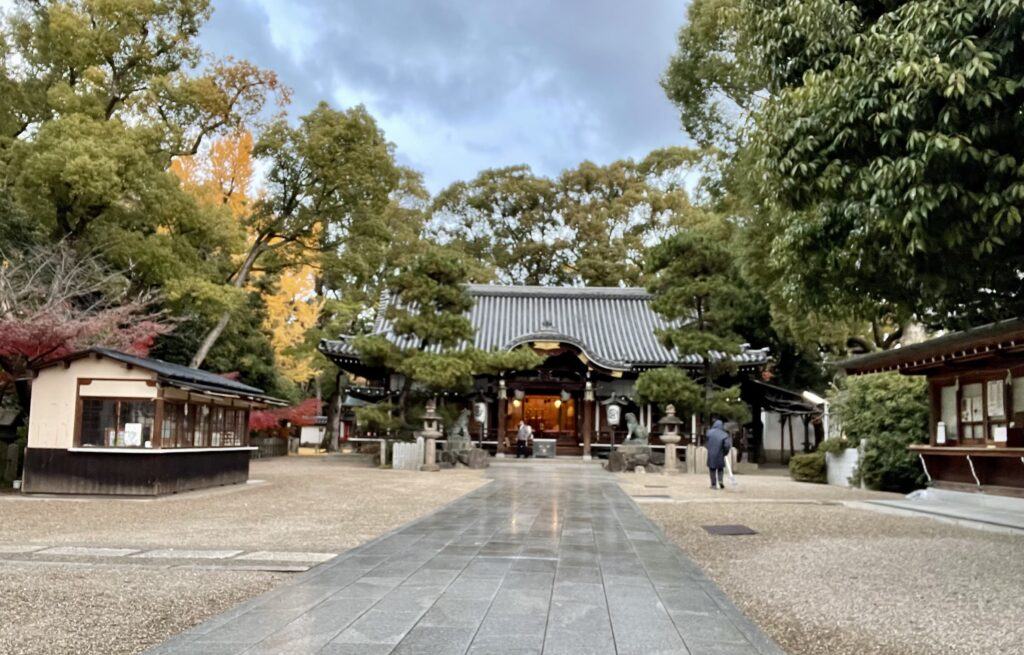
x=638 y=293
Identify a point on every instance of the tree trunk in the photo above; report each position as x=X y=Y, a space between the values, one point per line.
x=334 y=409
x=240 y=279
x=24 y=390
x=403 y=399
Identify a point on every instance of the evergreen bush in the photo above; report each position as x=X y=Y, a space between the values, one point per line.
x=835 y=445
x=890 y=411
x=808 y=467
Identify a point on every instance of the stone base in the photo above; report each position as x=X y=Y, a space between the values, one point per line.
x=627 y=458
x=474 y=458
x=430 y=467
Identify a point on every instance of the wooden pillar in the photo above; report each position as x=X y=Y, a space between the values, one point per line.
x=588 y=427
x=757 y=456
x=156 y=438
x=502 y=418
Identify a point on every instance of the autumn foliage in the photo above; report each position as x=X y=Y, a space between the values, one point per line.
x=296 y=414
x=54 y=302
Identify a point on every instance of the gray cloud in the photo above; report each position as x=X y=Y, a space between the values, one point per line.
x=462 y=85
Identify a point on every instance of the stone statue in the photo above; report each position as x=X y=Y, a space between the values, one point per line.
x=461 y=449
x=636 y=433
x=458 y=434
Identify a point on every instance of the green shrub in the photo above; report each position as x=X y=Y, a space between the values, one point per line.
x=809 y=467
x=890 y=411
x=835 y=445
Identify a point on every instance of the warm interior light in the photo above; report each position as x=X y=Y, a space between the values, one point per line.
x=558 y=402
x=517 y=402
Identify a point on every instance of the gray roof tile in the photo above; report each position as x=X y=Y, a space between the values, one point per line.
x=615 y=327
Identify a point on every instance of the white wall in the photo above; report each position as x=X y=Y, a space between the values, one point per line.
x=774 y=442
x=52 y=414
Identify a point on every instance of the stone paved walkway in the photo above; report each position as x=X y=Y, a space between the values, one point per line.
x=545 y=559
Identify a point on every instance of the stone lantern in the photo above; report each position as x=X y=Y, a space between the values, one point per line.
x=431 y=420
x=670 y=436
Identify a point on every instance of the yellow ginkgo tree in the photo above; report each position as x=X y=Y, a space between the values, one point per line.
x=293 y=310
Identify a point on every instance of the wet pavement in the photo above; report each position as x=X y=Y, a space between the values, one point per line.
x=547 y=558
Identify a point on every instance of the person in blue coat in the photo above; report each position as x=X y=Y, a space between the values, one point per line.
x=718 y=443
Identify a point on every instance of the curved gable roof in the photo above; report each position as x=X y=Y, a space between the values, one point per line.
x=615 y=327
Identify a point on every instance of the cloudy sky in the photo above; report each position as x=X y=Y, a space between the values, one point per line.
x=463 y=85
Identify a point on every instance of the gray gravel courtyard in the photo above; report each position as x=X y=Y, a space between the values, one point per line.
x=96 y=605
x=820 y=577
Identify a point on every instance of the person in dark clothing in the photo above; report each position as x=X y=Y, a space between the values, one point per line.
x=718 y=443
x=522 y=439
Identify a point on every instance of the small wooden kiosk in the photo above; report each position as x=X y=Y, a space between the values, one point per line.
x=976 y=385
x=105 y=422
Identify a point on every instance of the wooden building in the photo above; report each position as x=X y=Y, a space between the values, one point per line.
x=976 y=386
x=596 y=340
x=105 y=422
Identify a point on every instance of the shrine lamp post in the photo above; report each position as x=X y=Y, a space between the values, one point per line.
x=430 y=434
x=670 y=436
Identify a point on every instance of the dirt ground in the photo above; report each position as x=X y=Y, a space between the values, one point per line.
x=103 y=606
x=821 y=577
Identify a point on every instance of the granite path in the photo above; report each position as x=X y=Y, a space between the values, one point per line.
x=547 y=558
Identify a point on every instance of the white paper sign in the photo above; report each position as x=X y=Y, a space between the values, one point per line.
x=613 y=414
x=133 y=435
x=940 y=433
x=999 y=434
x=995 y=398
x=480 y=412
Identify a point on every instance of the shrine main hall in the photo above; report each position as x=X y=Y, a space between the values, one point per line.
x=595 y=340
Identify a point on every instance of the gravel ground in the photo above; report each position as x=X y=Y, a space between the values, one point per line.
x=305 y=504
x=52 y=609
x=820 y=577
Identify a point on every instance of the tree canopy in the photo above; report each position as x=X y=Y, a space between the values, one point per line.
x=874 y=153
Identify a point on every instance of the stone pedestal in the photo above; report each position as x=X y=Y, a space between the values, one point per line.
x=430 y=455
x=671 y=461
x=627 y=458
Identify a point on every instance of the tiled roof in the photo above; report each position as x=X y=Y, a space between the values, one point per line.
x=976 y=343
x=614 y=327
x=178 y=373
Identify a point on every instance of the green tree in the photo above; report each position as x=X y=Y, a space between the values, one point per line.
x=96 y=99
x=878 y=149
x=333 y=171
x=427 y=312
x=697 y=289
x=615 y=212
x=506 y=220
x=893 y=176
x=431 y=348
x=890 y=411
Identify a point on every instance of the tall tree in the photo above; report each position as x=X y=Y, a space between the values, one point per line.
x=97 y=99
x=891 y=173
x=615 y=212
x=427 y=311
x=293 y=312
x=506 y=219
x=876 y=158
x=697 y=289
x=330 y=172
